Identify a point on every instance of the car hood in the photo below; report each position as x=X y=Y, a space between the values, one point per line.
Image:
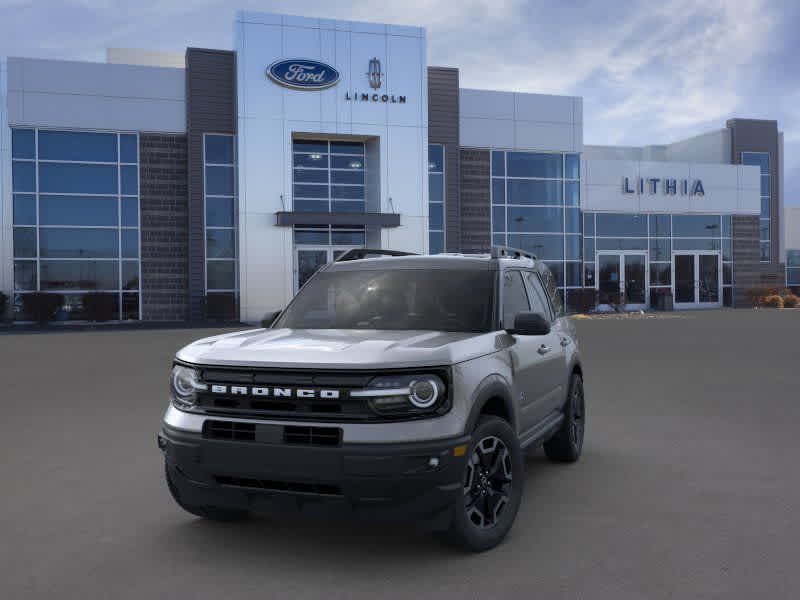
x=338 y=348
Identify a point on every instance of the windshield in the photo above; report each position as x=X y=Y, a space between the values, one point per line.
x=436 y=299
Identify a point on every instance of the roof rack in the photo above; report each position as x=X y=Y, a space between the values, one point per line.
x=508 y=252
x=359 y=253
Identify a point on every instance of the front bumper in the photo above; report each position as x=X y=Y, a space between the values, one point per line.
x=395 y=481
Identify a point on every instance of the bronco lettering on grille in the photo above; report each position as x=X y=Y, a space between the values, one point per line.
x=275 y=392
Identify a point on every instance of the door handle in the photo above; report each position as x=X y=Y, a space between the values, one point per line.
x=543 y=349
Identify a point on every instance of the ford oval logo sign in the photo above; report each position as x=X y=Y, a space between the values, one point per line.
x=303 y=74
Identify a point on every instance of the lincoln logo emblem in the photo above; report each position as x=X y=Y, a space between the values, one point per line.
x=374 y=74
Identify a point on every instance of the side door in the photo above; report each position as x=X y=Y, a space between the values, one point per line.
x=529 y=354
x=554 y=369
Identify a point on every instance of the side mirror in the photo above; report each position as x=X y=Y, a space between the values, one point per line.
x=530 y=323
x=269 y=319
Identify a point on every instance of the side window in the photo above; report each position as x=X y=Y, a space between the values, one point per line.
x=539 y=303
x=515 y=299
x=551 y=287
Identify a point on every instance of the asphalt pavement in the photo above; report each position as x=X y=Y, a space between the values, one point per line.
x=688 y=486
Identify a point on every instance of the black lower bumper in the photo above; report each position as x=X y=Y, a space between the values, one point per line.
x=418 y=481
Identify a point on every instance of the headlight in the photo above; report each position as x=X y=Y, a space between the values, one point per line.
x=405 y=395
x=184 y=384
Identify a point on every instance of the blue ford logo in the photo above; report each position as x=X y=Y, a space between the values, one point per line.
x=303 y=74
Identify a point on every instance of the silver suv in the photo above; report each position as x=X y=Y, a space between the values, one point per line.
x=393 y=385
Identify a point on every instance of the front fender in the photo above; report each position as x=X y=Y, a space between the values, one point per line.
x=493 y=386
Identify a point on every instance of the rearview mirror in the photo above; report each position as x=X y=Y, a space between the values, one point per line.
x=530 y=323
x=269 y=319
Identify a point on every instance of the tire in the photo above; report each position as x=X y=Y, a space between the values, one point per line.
x=567 y=443
x=492 y=492
x=212 y=513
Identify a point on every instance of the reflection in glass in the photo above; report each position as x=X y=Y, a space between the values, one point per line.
x=77 y=210
x=77 y=146
x=55 y=242
x=80 y=275
x=67 y=178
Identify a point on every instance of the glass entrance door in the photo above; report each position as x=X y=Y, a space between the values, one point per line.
x=309 y=260
x=697 y=279
x=622 y=280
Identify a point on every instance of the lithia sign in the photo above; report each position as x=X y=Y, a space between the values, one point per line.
x=306 y=74
x=667 y=186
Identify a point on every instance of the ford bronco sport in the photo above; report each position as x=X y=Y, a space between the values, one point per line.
x=392 y=384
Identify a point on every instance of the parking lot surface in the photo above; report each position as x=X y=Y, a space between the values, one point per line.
x=688 y=487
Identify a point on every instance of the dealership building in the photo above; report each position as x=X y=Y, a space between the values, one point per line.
x=211 y=184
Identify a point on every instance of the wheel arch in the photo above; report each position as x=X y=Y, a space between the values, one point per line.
x=492 y=397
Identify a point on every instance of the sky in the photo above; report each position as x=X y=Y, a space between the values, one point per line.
x=650 y=72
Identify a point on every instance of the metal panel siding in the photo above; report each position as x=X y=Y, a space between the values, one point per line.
x=746 y=253
x=210 y=108
x=443 y=128
x=475 y=201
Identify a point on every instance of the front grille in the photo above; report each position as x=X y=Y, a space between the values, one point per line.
x=312 y=436
x=229 y=430
x=295 y=487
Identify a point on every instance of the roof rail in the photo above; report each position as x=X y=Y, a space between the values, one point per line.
x=359 y=253
x=508 y=252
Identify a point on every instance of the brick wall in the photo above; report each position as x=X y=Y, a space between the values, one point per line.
x=165 y=232
x=476 y=216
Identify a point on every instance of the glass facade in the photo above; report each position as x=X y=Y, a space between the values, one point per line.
x=793 y=268
x=536 y=207
x=328 y=176
x=659 y=235
x=436 y=198
x=221 y=223
x=761 y=160
x=76 y=219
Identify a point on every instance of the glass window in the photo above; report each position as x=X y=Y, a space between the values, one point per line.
x=25 y=242
x=221 y=275
x=348 y=238
x=129 y=176
x=498 y=163
x=343 y=162
x=128 y=148
x=765 y=191
x=588 y=274
x=498 y=218
x=311 y=175
x=765 y=207
x=56 y=242
x=219 y=212
x=545 y=247
x=78 y=146
x=537 y=295
x=727 y=273
x=130 y=212
x=130 y=275
x=515 y=299
x=763 y=229
x=354 y=177
x=660 y=226
x=66 y=178
x=695 y=244
x=130 y=243
x=312 y=146
x=219 y=181
x=572 y=245
x=25 y=275
x=219 y=149
x=765 y=250
x=321 y=237
x=530 y=164
x=621 y=225
x=727 y=249
x=498 y=191
x=660 y=274
x=23 y=143
x=528 y=191
x=696 y=225
x=436 y=187
x=436 y=216
x=436 y=242
x=319 y=161
x=572 y=274
x=220 y=243
x=588 y=249
x=588 y=224
x=130 y=307
x=347 y=192
x=435 y=158
x=23 y=176
x=793 y=258
x=555 y=274
x=77 y=210
x=347 y=148
x=727 y=226
x=572 y=220
x=79 y=275
x=535 y=219
x=572 y=191
x=660 y=249
x=347 y=206
x=311 y=205
x=310 y=191
x=573 y=166
x=24 y=209
x=621 y=243
x=759 y=159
